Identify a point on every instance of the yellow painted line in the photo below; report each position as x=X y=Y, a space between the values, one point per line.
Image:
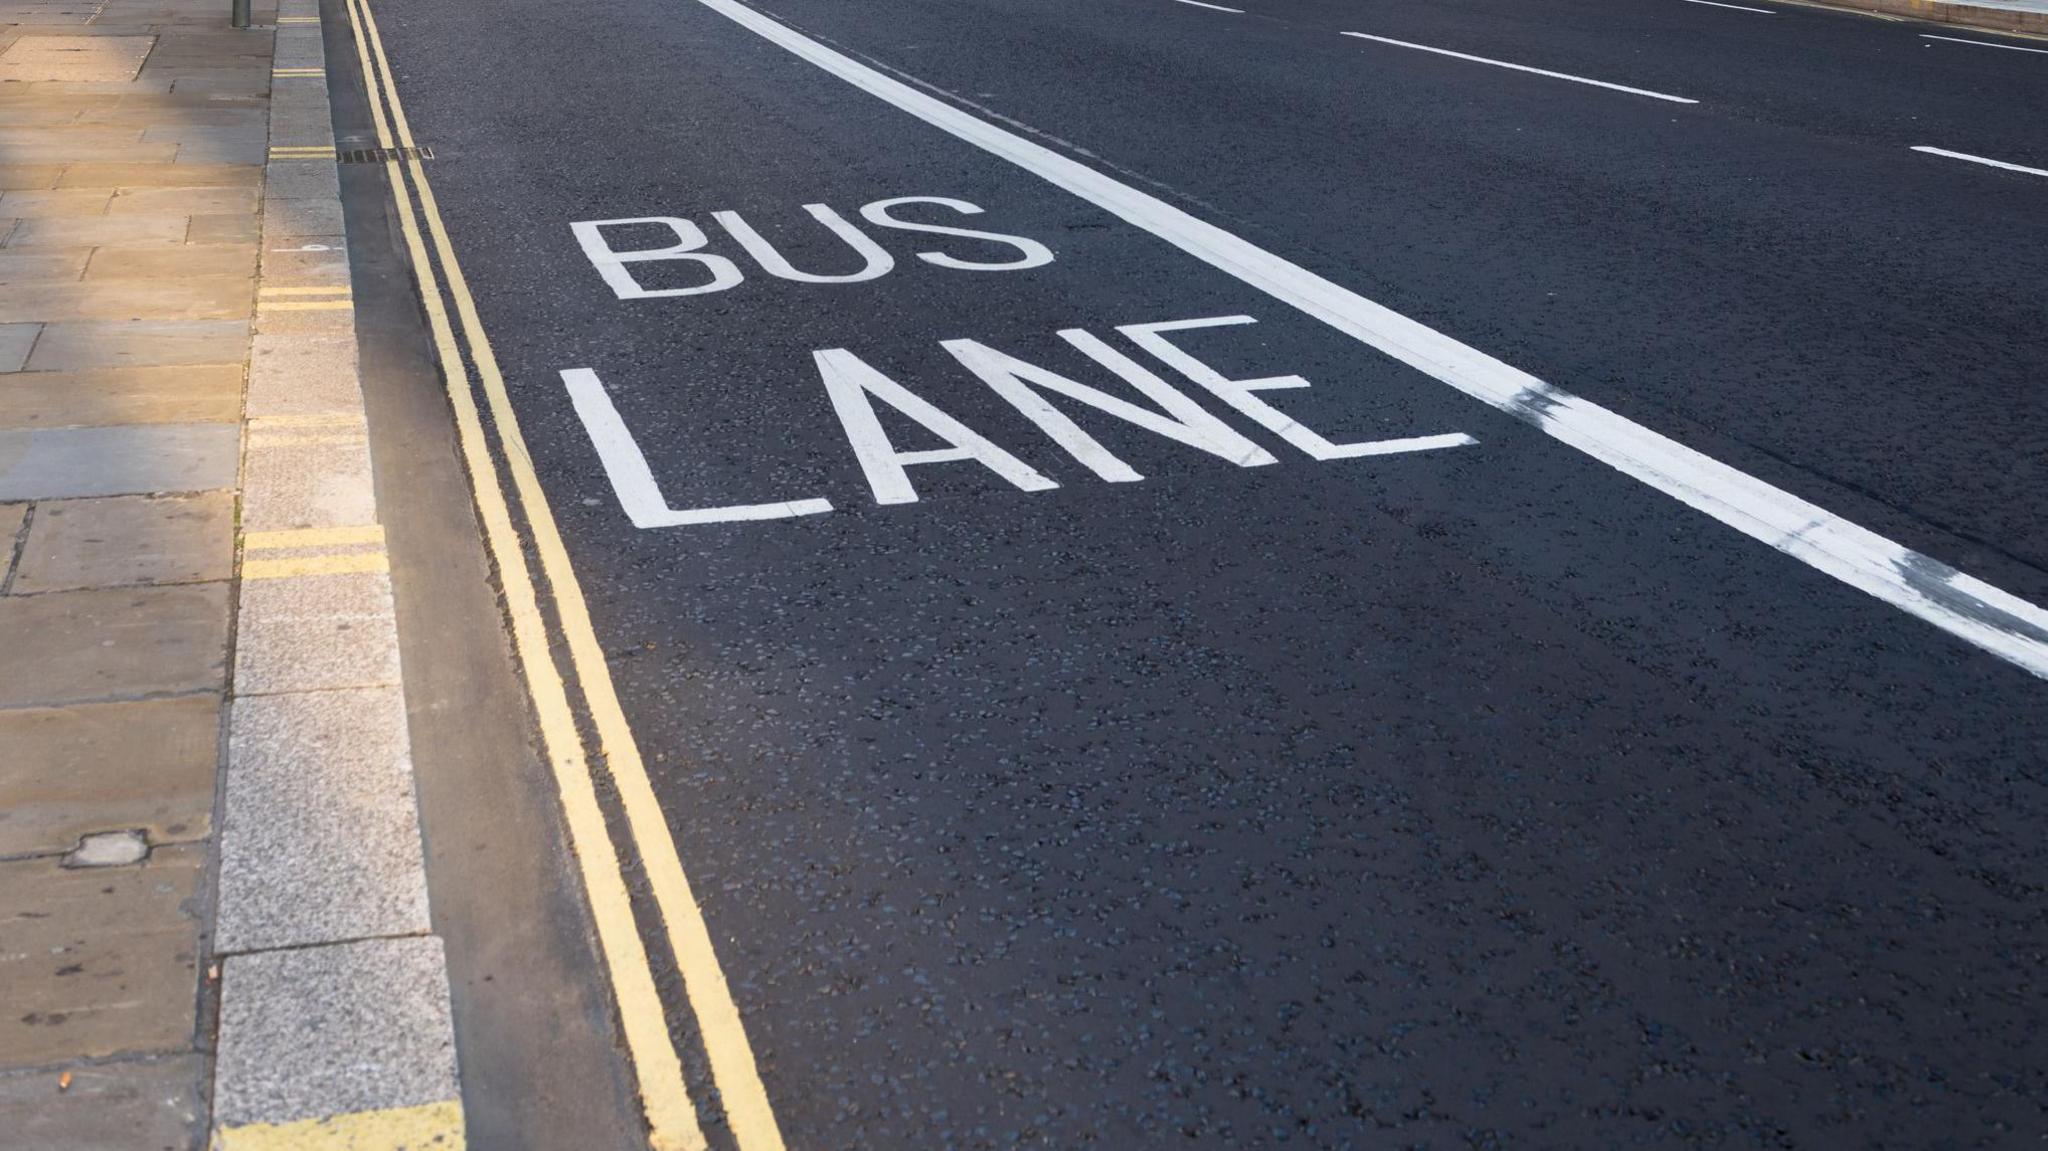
x=427 y=1127
x=323 y=290
x=733 y=1066
x=286 y=567
x=309 y=420
x=297 y=73
x=298 y=19
x=664 y=1097
x=306 y=305
x=313 y=537
x=259 y=439
x=308 y=153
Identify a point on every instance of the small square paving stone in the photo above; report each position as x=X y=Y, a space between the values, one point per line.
x=295 y=376
x=308 y=485
x=314 y=633
x=333 y=1030
x=284 y=217
x=321 y=837
x=66 y=772
x=109 y=957
x=122 y=643
x=117 y=541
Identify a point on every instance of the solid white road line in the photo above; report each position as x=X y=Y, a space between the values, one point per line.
x=1965 y=607
x=1216 y=7
x=1933 y=151
x=1978 y=43
x=1526 y=68
x=1737 y=7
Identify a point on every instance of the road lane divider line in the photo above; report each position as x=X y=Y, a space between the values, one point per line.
x=1985 y=160
x=734 y=1069
x=1523 y=68
x=664 y=1095
x=1211 y=7
x=1973 y=611
x=1985 y=44
x=1736 y=7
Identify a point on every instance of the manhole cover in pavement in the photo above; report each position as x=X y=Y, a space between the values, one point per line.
x=89 y=58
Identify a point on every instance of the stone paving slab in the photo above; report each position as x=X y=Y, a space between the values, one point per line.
x=69 y=771
x=316 y=633
x=133 y=1105
x=129 y=343
x=23 y=203
x=58 y=463
x=13 y=517
x=92 y=231
x=62 y=264
x=294 y=377
x=130 y=174
x=99 y=961
x=15 y=342
x=381 y=1011
x=320 y=840
x=308 y=482
x=94 y=58
x=187 y=298
x=198 y=394
x=183 y=260
x=120 y=541
x=114 y=644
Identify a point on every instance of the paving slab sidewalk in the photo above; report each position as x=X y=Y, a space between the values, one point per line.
x=208 y=836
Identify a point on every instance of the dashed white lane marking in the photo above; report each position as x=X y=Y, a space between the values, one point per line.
x=1213 y=7
x=1737 y=7
x=1967 y=608
x=1933 y=151
x=1978 y=43
x=1526 y=68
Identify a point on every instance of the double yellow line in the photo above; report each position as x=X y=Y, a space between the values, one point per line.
x=664 y=1095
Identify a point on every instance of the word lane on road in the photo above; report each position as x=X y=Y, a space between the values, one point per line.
x=1102 y=703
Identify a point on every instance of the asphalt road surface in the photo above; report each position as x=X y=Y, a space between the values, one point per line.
x=1073 y=745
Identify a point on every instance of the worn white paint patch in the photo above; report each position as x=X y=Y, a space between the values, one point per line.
x=1967 y=608
x=109 y=849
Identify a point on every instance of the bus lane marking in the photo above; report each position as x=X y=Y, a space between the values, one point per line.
x=1967 y=608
